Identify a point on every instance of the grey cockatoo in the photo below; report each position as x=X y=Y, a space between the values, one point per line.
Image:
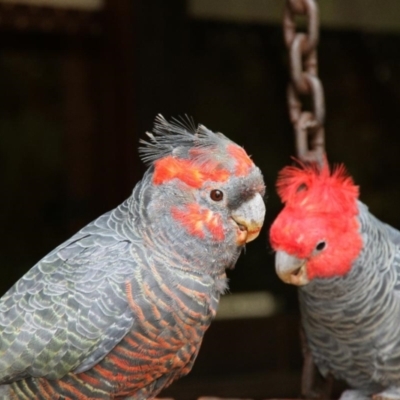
x=120 y=309
x=346 y=264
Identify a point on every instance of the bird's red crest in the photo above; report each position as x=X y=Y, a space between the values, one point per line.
x=318 y=189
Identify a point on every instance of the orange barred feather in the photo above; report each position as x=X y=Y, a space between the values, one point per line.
x=243 y=161
x=198 y=220
x=187 y=171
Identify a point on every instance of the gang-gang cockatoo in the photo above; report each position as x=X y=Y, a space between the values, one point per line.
x=346 y=264
x=119 y=310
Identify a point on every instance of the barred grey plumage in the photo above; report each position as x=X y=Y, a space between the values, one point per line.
x=120 y=309
x=347 y=266
x=352 y=323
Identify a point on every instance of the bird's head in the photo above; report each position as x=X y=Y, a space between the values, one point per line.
x=204 y=184
x=317 y=234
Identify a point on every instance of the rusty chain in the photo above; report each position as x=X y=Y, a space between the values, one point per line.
x=302 y=47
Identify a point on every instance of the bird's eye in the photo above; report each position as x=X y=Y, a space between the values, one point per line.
x=320 y=246
x=216 y=195
x=301 y=188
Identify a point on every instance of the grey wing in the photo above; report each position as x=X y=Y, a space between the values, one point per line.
x=70 y=309
x=394 y=234
x=394 y=237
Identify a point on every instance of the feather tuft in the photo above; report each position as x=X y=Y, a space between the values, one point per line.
x=194 y=155
x=177 y=137
x=318 y=189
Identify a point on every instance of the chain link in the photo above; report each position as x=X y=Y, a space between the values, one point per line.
x=302 y=47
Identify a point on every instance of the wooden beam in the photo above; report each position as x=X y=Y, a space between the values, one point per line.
x=366 y=15
x=91 y=5
x=23 y=18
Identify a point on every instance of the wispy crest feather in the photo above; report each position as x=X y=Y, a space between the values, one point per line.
x=177 y=137
x=318 y=189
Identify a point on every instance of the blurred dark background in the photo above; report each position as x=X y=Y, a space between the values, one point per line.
x=81 y=81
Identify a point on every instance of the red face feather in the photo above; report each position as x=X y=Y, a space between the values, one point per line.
x=197 y=221
x=320 y=205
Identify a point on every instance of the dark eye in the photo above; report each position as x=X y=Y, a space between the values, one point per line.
x=320 y=246
x=301 y=188
x=216 y=195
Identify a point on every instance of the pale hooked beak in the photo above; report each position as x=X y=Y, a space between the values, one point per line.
x=250 y=218
x=291 y=269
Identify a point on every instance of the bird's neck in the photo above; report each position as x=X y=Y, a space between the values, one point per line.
x=168 y=261
x=150 y=210
x=168 y=245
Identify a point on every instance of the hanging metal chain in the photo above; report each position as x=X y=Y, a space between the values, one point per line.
x=309 y=129
x=302 y=47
